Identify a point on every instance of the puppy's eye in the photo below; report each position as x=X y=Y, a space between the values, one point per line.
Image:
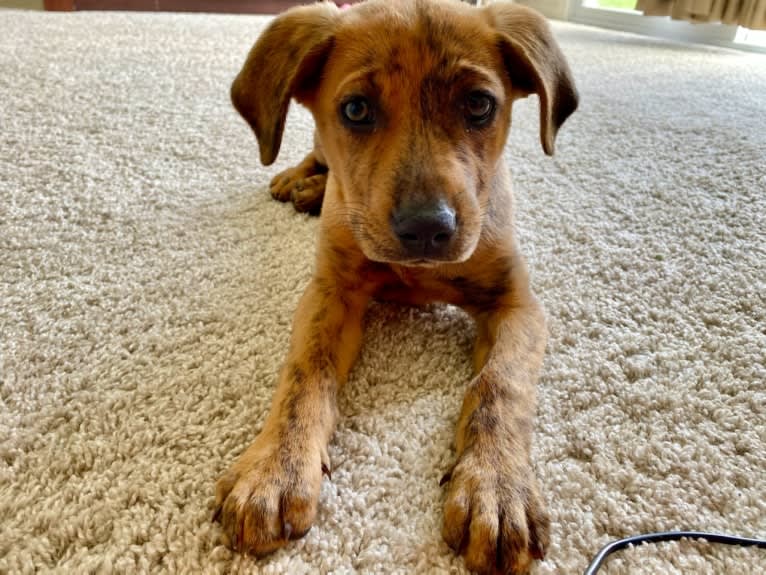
x=479 y=108
x=357 y=112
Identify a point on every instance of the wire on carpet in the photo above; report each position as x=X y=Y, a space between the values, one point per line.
x=670 y=536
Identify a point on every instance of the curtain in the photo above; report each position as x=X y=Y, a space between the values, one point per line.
x=748 y=13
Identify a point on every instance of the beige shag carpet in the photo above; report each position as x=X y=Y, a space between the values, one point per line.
x=147 y=283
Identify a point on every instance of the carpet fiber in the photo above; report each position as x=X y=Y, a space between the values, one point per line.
x=147 y=284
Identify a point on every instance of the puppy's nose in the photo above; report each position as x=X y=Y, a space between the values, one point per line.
x=425 y=230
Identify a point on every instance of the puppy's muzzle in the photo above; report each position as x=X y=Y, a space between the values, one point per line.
x=425 y=231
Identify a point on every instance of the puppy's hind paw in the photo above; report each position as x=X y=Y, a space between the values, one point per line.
x=303 y=185
x=307 y=194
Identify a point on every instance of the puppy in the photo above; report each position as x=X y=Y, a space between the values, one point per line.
x=412 y=104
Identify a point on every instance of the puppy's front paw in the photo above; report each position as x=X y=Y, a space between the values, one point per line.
x=494 y=515
x=269 y=496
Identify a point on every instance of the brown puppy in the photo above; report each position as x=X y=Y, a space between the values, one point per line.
x=412 y=103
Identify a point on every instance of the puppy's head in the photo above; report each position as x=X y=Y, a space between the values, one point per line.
x=412 y=103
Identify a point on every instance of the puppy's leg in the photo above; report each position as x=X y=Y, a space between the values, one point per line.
x=270 y=494
x=304 y=184
x=494 y=514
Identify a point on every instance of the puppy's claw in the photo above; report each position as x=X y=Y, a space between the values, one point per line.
x=446 y=477
x=293 y=535
x=326 y=466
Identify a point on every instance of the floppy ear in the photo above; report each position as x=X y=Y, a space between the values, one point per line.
x=285 y=61
x=535 y=64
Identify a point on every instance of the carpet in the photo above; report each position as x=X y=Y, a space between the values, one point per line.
x=147 y=284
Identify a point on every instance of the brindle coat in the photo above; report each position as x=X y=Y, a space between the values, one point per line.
x=415 y=63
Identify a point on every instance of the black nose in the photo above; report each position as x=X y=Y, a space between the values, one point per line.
x=425 y=230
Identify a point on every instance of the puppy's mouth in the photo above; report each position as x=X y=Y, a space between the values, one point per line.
x=421 y=263
x=426 y=235
x=392 y=251
x=403 y=260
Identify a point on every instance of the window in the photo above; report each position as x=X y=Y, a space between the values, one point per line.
x=622 y=15
x=755 y=38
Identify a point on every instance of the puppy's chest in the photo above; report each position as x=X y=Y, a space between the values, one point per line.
x=419 y=287
x=415 y=279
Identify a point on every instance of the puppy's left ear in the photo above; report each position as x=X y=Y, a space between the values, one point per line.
x=535 y=64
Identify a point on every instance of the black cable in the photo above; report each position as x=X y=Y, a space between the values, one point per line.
x=670 y=536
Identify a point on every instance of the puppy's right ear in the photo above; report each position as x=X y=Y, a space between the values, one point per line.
x=286 y=61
